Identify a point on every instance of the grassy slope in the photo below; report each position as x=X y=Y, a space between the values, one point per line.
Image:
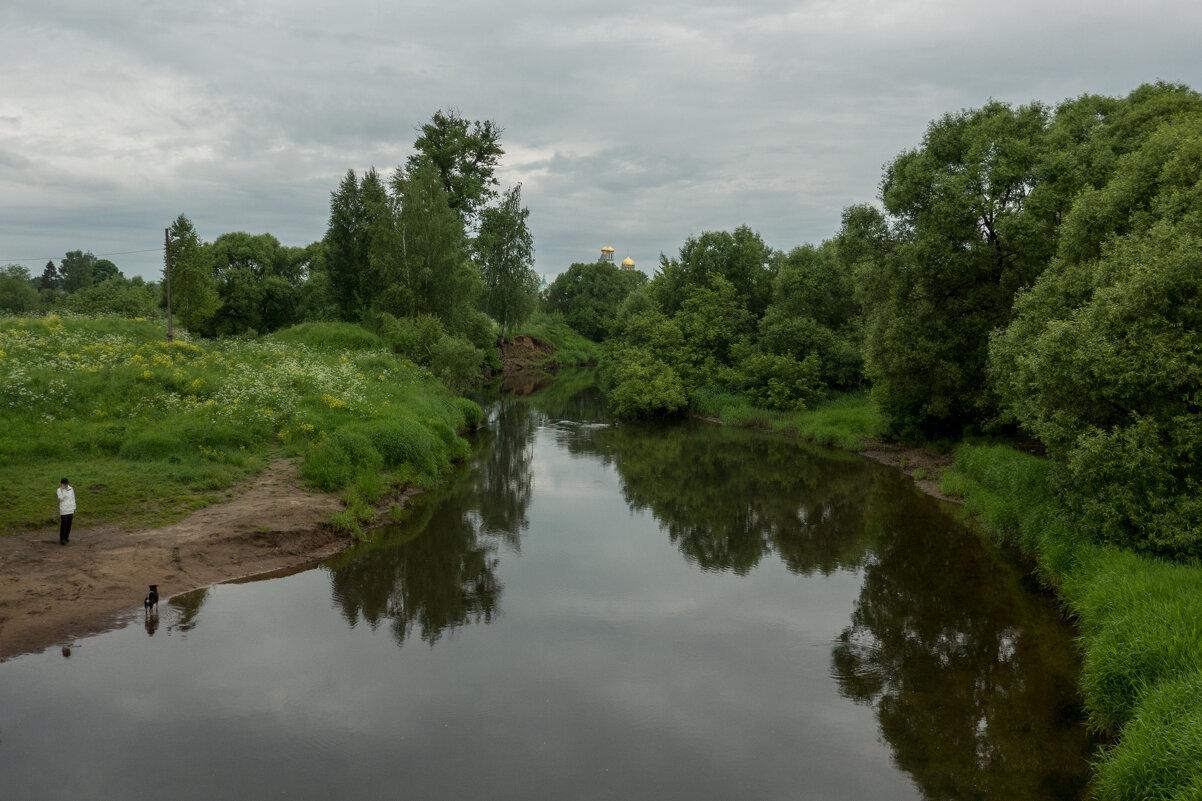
x=147 y=431
x=570 y=347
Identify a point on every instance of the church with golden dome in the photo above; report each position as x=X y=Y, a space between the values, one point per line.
x=607 y=257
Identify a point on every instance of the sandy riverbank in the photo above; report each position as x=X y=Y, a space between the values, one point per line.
x=51 y=593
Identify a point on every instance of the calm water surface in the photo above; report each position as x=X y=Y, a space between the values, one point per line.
x=586 y=612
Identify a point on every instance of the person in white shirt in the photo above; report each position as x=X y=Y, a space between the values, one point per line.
x=66 y=510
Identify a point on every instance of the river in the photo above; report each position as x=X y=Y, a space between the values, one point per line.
x=587 y=611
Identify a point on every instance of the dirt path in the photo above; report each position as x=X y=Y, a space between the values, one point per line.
x=51 y=593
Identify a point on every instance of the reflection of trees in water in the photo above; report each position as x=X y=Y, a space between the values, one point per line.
x=502 y=483
x=960 y=664
x=187 y=609
x=441 y=579
x=971 y=678
x=728 y=497
x=437 y=570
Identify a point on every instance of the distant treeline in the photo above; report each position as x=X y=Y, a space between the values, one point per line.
x=433 y=258
x=1028 y=270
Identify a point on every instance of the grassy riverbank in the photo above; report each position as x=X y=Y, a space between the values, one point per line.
x=148 y=430
x=845 y=422
x=1140 y=623
x=571 y=349
x=1139 y=618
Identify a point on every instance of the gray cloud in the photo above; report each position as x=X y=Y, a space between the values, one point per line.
x=633 y=124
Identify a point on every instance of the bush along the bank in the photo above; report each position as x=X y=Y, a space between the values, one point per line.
x=1139 y=617
x=150 y=429
x=732 y=316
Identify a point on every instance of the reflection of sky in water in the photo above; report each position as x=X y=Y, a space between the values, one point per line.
x=615 y=669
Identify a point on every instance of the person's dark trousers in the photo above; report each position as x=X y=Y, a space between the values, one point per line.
x=64 y=529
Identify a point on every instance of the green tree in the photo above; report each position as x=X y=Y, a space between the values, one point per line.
x=465 y=154
x=431 y=270
x=193 y=289
x=964 y=243
x=814 y=314
x=103 y=270
x=17 y=292
x=739 y=257
x=505 y=251
x=258 y=282
x=1101 y=359
x=715 y=327
x=589 y=294
x=76 y=270
x=358 y=243
x=50 y=279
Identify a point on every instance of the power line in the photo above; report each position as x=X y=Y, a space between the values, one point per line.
x=97 y=255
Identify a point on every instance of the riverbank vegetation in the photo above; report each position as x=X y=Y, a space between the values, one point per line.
x=1029 y=273
x=1138 y=617
x=148 y=430
x=569 y=346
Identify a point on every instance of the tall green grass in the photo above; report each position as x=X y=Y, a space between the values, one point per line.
x=329 y=336
x=846 y=422
x=147 y=430
x=1140 y=623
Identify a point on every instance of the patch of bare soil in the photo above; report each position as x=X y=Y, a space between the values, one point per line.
x=527 y=353
x=924 y=466
x=51 y=593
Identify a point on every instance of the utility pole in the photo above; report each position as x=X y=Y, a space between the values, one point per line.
x=167 y=250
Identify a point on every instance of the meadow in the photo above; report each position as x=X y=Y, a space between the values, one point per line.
x=148 y=430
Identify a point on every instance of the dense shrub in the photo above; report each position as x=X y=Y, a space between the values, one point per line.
x=359 y=450
x=471 y=412
x=404 y=441
x=458 y=363
x=117 y=296
x=640 y=385
x=776 y=382
x=412 y=337
x=327 y=467
x=1113 y=385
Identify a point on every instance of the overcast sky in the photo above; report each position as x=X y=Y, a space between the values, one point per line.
x=634 y=124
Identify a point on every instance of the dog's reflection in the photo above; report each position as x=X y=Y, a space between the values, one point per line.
x=151 y=605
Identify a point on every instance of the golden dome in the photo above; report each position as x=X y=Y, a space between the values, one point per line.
x=627 y=262
x=607 y=249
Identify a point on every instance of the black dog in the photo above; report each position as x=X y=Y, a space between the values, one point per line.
x=152 y=599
